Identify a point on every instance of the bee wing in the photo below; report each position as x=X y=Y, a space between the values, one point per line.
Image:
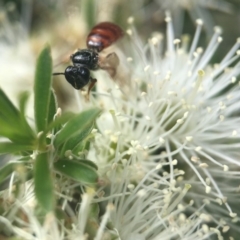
x=110 y=63
x=118 y=69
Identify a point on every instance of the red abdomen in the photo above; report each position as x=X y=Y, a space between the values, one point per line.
x=103 y=35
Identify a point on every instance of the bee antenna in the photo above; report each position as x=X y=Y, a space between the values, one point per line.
x=58 y=74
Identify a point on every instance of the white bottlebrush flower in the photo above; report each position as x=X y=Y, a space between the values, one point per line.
x=191 y=4
x=175 y=126
x=19 y=215
x=143 y=210
x=181 y=113
x=195 y=8
x=149 y=209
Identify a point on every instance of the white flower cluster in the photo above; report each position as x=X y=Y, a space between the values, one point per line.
x=180 y=116
x=167 y=146
x=195 y=8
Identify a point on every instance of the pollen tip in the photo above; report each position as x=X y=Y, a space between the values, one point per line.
x=168 y=19
x=233 y=215
x=218 y=29
x=201 y=73
x=130 y=20
x=199 y=22
x=129 y=32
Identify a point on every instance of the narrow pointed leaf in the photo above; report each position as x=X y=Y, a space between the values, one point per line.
x=79 y=148
x=59 y=121
x=13 y=124
x=42 y=88
x=17 y=131
x=13 y=130
x=76 y=170
x=23 y=98
x=9 y=147
x=89 y=163
x=77 y=125
x=43 y=183
x=7 y=108
x=74 y=141
x=52 y=107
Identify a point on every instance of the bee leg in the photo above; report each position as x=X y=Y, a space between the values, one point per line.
x=91 y=85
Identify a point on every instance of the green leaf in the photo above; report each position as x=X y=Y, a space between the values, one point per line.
x=7 y=109
x=74 y=141
x=23 y=98
x=89 y=163
x=17 y=131
x=77 y=125
x=42 y=89
x=13 y=124
x=60 y=120
x=43 y=182
x=77 y=170
x=9 y=147
x=9 y=130
x=52 y=107
x=79 y=149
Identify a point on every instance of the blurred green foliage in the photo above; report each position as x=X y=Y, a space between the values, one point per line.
x=39 y=151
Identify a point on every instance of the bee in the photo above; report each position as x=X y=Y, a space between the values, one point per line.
x=100 y=37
